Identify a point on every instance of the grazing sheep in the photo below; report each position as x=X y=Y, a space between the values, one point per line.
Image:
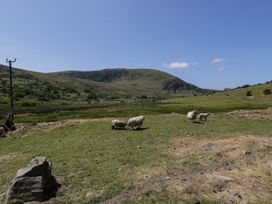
x=203 y=116
x=192 y=115
x=118 y=124
x=135 y=122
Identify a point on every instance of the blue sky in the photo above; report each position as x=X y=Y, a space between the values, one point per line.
x=210 y=43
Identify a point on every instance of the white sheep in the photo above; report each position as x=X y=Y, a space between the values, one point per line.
x=135 y=122
x=118 y=124
x=203 y=116
x=192 y=115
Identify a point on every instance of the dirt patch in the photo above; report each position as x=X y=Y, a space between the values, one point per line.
x=7 y=157
x=60 y=124
x=230 y=170
x=265 y=114
x=230 y=167
x=22 y=128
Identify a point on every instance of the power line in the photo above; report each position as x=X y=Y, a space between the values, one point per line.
x=10 y=62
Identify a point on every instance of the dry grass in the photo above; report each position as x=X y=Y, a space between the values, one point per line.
x=252 y=114
x=233 y=169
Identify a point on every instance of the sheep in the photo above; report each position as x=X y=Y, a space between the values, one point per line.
x=118 y=124
x=192 y=115
x=135 y=122
x=203 y=116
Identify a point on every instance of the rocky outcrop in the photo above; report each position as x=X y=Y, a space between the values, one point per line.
x=33 y=183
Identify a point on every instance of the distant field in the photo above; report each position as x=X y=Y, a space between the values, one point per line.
x=214 y=103
x=170 y=160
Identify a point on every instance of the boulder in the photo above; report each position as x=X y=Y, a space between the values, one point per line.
x=34 y=182
x=2 y=132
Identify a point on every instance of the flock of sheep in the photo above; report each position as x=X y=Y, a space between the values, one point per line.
x=136 y=122
x=193 y=115
x=132 y=123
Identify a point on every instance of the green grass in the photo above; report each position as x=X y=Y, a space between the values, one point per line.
x=97 y=163
x=256 y=90
x=164 y=196
x=182 y=105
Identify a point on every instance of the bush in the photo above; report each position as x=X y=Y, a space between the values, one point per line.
x=245 y=86
x=267 y=91
x=28 y=103
x=249 y=93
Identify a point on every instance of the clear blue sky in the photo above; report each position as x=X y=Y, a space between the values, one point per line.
x=210 y=43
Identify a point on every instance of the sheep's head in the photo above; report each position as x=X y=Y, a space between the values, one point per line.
x=195 y=111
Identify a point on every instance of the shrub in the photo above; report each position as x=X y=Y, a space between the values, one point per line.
x=249 y=93
x=28 y=103
x=267 y=91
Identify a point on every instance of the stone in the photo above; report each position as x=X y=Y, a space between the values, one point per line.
x=2 y=132
x=37 y=166
x=208 y=146
x=34 y=182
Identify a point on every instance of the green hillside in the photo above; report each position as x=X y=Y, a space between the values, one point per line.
x=259 y=92
x=141 y=81
x=39 y=87
x=32 y=88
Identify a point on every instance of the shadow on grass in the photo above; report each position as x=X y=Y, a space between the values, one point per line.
x=141 y=129
x=129 y=129
x=199 y=122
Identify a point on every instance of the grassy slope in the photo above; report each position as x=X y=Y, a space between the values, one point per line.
x=38 y=83
x=105 y=83
x=134 y=81
x=256 y=90
x=96 y=163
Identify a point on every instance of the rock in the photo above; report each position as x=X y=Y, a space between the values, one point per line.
x=208 y=146
x=2 y=132
x=9 y=124
x=34 y=182
x=238 y=195
x=37 y=167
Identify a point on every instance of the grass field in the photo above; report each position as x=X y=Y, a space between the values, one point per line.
x=214 y=103
x=170 y=160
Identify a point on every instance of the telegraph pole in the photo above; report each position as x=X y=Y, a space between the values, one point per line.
x=10 y=62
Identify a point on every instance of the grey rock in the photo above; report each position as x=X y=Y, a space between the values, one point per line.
x=208 y=146
x=2 y=132
x=34 y=182
x=37 y=167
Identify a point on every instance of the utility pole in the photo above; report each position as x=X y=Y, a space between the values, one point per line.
x=10 y=62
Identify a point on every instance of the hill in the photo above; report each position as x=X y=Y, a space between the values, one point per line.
x=144 y=80
x=260 y=92
x=31 y=87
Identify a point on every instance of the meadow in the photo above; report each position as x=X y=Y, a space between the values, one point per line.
x=56 y=111
x=169 y=160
